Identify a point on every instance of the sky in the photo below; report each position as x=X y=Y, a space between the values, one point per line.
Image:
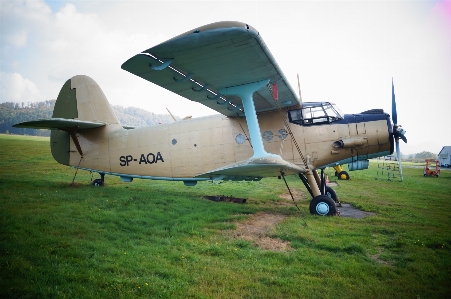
x=345 y=52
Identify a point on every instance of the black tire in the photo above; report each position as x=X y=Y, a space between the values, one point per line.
x=343 y=175
x=331 y=193
x=97 y=183
x=323 y=205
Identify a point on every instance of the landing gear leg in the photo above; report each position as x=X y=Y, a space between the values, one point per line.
x=322 y=203
x=306 y=184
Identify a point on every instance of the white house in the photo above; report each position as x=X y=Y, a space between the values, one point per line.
x=445 y=155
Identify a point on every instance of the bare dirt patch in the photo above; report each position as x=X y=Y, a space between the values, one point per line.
x=257 y=229
x=288 y=201
x=296 y=193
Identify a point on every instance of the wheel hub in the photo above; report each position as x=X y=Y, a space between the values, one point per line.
x=322 y=208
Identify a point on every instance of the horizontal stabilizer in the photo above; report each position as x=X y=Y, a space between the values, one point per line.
x=59 y=123
x=254 y=168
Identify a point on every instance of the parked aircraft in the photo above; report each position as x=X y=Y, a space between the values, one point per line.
x=263 y=129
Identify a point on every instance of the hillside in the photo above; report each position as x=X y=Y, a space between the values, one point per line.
x=13 y=113
x=137 y=117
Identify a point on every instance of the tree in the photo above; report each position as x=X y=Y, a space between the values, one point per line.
x=425 y=155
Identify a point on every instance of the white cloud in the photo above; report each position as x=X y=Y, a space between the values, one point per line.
x=18 y=18
x=15 y=88
x=344 y=51
x=16 y=39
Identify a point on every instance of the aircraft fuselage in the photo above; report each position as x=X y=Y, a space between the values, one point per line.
x=189 y=148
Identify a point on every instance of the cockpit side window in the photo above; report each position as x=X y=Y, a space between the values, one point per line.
x=295 y=116
x=314 y=115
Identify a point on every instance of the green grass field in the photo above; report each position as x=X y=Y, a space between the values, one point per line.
x=153 y=239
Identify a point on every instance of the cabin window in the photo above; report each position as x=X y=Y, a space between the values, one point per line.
x=314 y=114
x=239 y=139
x=267 y=135
x=282 y=133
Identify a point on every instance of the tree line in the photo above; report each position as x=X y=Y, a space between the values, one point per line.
x=12 y=113
x=420 y=157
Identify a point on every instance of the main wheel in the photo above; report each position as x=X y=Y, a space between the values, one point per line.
x=343 y=175
x=323 y=205
x=331 y=193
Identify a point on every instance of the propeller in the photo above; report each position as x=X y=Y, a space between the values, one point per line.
x=398 y=131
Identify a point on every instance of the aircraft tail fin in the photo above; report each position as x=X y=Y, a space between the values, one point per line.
x=81 y=105
x=81 y=98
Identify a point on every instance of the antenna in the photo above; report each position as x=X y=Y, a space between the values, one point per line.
x=171 y=114
x=299 y=87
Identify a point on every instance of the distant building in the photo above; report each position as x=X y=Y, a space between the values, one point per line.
x=444 y=156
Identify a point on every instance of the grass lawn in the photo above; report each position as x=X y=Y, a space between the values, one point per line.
x=156 y=239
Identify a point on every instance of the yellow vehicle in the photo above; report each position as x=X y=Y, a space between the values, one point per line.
x=340 y=173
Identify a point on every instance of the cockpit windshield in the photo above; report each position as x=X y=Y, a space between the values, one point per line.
x=315 y=113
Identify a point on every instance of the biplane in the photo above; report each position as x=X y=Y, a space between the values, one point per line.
x=263 y=129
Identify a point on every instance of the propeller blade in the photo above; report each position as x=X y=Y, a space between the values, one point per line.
x=398 y=131
x=398 y=156
x=393 y=104
x=403 y=138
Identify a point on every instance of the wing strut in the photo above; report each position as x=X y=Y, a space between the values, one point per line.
x=245 y=92
x=309 y=173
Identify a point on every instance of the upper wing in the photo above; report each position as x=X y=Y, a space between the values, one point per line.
x=202 y=61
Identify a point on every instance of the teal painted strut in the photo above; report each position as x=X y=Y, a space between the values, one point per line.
x=245 y=92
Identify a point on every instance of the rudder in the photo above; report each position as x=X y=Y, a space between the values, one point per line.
x=92 y=104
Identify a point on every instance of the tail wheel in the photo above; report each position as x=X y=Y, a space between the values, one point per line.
x=323 y=205
x=343 y=175
x=97 y=183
